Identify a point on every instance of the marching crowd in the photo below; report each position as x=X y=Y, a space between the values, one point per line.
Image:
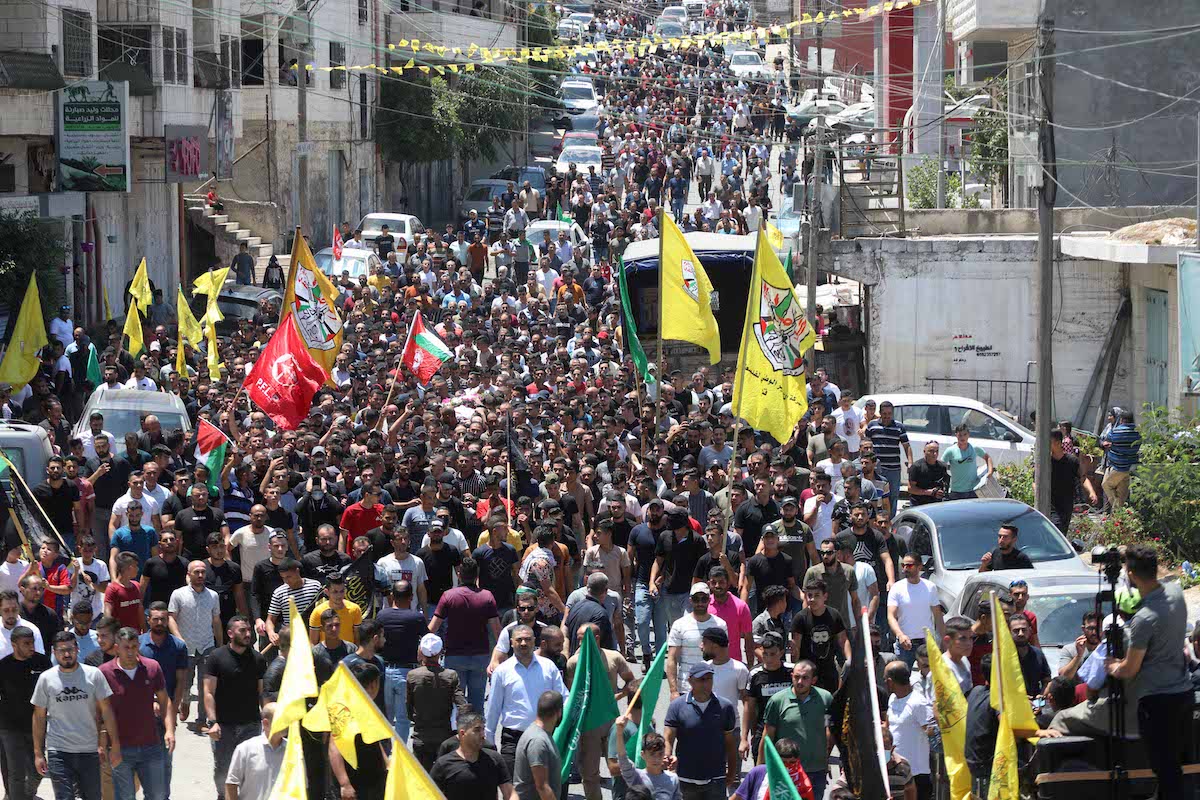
x=454 y=543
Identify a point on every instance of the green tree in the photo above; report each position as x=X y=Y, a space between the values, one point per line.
x=29 y=244
x=920 y=184
x=989 y=141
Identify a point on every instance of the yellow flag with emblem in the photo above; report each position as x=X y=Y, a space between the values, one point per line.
x=407 y=779
x=133 y=329
x=139 y=289
x=312 y=298
x=211 y=283
x=770 y=392
x=774 y=235
x=950 y=708
x=684 y=308
x=214 y=354
x=189 y=332
x=21 y=360
x=344 y=710
x=299 y=679
x=1008 y=694
x=1006 y=775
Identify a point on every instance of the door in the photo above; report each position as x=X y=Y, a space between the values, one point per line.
x=1156 y=347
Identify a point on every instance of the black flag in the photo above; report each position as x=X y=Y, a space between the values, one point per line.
x=856 y=721
x=16 y=495
x=516 y=459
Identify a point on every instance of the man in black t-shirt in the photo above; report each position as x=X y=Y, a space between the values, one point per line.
x=1066 y=473
x=929 y=478
x=1006 y=555
x=326 y=560
x=675 y=558
x=472 y=771
x=165 y=572
x=232 y=690
x=194 y=525
x=497 y=559
x=818 y=633
x=59 y=498
x=758 y=510
x=225 y=578
x=19 y=672
x=440 y=562
x=767 y=679
x=771 y=567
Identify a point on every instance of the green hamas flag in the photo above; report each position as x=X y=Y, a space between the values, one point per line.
x=651 y=687
x=779 y=782
x=93 y=367
x=787 y=267
x=590 y=705
x=630 y=325
x=563 y=216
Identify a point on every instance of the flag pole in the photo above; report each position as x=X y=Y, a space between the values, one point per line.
x=623 y=288
x=661 y=268
x=755 y=284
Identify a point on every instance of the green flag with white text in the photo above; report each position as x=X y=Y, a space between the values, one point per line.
x=650 y=688
x=590 y=705
x=630 y=325
x=780 y=783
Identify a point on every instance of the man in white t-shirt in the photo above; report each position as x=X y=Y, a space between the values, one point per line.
x=10 y=619
x=956 y=650
x=151 y=510
x=865 y=577
x=913 y=606
x=731 y=678
x=818 y=509
x=684 y=639
x=11 y=570
x=255 y=542
x=848 y=419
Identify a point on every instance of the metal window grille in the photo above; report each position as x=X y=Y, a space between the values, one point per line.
x=337 y=58
x=77 y=43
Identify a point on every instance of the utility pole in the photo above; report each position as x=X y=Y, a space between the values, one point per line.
x=939 y=55
x=1045 y=327
x=814 y=229
x=302 y=118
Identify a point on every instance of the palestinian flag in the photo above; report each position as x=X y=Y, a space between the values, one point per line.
x=211 y=447
x=424 y=352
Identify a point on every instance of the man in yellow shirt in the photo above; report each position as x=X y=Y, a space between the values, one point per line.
x=348 y=612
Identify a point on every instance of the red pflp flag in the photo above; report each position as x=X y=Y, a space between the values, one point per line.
x=337 y=244
x=285 y=377
x=424 y=352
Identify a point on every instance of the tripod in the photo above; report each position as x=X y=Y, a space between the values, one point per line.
x=1114 y=640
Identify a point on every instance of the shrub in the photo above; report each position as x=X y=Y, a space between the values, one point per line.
x=1165 y=489
x=1017 y=479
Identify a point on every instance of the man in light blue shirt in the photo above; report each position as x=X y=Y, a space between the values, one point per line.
x=516 y=686
x=960 y=459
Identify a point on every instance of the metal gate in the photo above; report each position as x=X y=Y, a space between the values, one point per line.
x=1157 y=344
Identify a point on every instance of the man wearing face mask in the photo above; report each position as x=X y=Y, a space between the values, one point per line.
x=317 y=506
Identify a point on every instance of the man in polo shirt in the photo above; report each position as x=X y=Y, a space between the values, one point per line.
x=888 y=438
x=700 y=731
x=137 y=684
x=800 y=714
x=256 y=762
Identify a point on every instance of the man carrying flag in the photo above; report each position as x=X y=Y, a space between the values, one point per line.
x=770 y=392
x=424 y=353
x=309 y=297
x=950 y=712
x=684 y=309
x=285 y=378
x=212 y=446
x=590 y=705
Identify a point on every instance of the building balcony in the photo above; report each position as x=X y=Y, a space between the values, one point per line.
x=992 y=20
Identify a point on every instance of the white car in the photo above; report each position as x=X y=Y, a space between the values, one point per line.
x=748 y=64
x=933 y=418
x=405 y=225
x=536 y=230
x=579 y=96
x=355 y=262
x=582 y=156
x=675 y=14
x=695 y=8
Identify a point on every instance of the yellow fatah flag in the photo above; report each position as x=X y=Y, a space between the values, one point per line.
x=291 y=783
x=133 y=329
x=299 y=680
x=407 y=779
x=312 y=299
x=684 y=310
x=21 y=360
x=344 y=710
x=1005 y=783
x=770 y=392
x=189 y=327
x=139 y=289
x=774 y=236
x=210 y=283
x=950 y=706
x=214 y=354
x=1008 y=695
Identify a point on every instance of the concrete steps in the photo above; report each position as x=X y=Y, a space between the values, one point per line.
x=231 y=231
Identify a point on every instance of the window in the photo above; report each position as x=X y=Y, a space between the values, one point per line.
x=362 y=12
x=127 y=46
x=168 y=55
x=980 y=425
x=77 y=43
x=919 y=419
x=181 y=56
x=231 y=59
x=364 y=117
x=337 y=58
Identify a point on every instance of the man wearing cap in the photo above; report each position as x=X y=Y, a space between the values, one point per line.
x=675 y=556
x=516 y=686
x=683 y=641
x=700 y=731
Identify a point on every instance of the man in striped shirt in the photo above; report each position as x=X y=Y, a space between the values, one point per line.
x=295 y=587
x=888 y=437
x=1122 y=444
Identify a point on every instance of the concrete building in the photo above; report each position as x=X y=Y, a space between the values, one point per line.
x=1125 y=131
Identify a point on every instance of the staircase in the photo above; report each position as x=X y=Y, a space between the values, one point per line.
x=871 y=192
x=231 y=234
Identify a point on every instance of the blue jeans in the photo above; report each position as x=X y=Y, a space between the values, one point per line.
x=677 y=606
x=909 y=656
x=648 y=609
x=892 y=476
x=677 y=204
x=168 y=757
x=147 y=762
x=232 y=735
x=69 y=770
x=397 y=700
x=472 y=673
x=794 y=607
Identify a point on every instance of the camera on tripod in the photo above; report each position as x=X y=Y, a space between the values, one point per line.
x=1110 y=559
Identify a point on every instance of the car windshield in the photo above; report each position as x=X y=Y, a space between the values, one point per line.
x=967 y=531
x=354 y=264
x=234 y=308
x=483 y=194
x=581 y=155
x=745 y=59
x=120 y=421
x=577 y=92
x=374 y=223
x=669 y=29
x=1060 y=615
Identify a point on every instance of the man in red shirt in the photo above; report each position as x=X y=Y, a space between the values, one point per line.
x=362 y=516
x=123 y=597
x=133 y=704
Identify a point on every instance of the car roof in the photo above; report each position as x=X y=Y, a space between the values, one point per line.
x=138 y=400
x=243 y=292
x=386 y=215
x=912 y=398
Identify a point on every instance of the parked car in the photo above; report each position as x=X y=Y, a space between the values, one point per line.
x=582 y=156
x=28 y=447
x=933 y=418
x=668 y=28
x=1059 y=599
x=355 y=262
x=675 y=13
x=405 y=225
x=123 y=410
x=479 y=196
x=518 y=175
x=694 y=8
x=952 y=536
x=237 y=302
